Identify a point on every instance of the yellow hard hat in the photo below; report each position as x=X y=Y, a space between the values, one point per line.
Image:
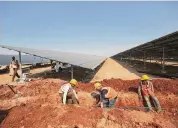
x=97 y=85
x=145 y=77
x=73 y=82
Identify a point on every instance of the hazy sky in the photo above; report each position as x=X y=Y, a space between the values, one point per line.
x=100 y=28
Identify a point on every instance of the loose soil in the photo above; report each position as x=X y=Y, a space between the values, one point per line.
x=39 y=106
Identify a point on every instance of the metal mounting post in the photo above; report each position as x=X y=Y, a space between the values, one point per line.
x=144 y=60
x=20 y=63
x=72 y=73
x=163 y=61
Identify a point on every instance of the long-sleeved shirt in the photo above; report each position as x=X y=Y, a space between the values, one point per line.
x=65 y=89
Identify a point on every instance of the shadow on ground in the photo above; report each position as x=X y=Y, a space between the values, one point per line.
x=3 y=115
x=153 y=69
x=79 y=73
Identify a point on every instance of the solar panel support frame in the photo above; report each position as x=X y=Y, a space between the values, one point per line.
x=20 y=63
x=72 y=72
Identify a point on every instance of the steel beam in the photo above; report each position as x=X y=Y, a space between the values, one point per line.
x=144 y=60
x=20 y=63
x=150 y=59
x=163 y=61
x=72 y=72
x=130 y=58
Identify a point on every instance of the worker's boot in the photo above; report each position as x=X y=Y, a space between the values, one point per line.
x=159 y=110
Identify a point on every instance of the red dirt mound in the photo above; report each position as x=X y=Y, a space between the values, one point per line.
x=47 y=116
x=164 y=86
x=33 y=88
x=41 y=116
x=40 y=106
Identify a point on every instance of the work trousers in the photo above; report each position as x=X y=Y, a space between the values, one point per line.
x=70 y=99
x=155 y=101
x=15 y=74
x=109 y=103
x=106 y=102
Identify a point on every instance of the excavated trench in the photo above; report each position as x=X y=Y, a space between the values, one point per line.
x=39 y=106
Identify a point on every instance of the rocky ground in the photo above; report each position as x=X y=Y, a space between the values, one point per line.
x=39 y=106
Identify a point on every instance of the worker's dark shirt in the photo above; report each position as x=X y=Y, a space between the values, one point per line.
x=102 y=95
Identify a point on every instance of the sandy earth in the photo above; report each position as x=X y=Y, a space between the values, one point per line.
x=39 y=106
x=6 y=78
x=112 y=69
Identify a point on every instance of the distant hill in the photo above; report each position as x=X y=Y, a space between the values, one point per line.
x=5 y=59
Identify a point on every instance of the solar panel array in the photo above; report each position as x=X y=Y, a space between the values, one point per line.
x=76 y=59
x=155 y=48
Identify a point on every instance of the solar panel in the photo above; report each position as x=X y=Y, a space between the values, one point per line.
x=76 y=59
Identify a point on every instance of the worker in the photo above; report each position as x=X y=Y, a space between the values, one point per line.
x=15 y=66
x=68 y=94
x=146 y=88
x=105 y=96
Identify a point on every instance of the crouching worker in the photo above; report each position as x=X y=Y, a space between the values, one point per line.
x=146 y=89
x=68 y=94
x=105 y=96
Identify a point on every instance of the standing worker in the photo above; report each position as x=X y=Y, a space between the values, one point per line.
x=15 y=66
x=68 y=94
x=146 y=88
x=105 y=96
